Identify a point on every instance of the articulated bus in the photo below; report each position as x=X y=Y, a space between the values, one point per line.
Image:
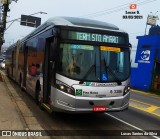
x=73 y=65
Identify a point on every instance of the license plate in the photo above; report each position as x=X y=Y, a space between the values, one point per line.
x=99 y=108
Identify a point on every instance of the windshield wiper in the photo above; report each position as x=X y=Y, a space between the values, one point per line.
x=107 y=68
x=89 y=71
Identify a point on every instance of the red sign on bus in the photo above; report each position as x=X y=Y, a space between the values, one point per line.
x=99 y=108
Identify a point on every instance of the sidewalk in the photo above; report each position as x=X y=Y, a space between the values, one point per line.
x=14 y=113
x=10 y=117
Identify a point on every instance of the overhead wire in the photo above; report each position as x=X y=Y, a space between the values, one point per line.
x=116 y=9
x=119 y=9
x=100 y=12
x=9 y=25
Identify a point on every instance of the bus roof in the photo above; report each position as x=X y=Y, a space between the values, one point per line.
x=74 y=22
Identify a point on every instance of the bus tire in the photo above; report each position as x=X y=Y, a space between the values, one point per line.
x=20 y=82
x=37 y=96
x=7 y=72
x=37 y=92
x=40 y=105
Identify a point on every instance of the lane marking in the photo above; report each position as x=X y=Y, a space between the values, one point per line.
x=145 y=110
x=130 y=124
x=149 y=109
x=142 y=102
x=152 y=108
x=147 y=93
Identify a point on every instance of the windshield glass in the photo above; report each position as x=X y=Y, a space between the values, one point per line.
x=93 y=63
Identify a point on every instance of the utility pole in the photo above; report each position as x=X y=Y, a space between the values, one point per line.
x=5 y=9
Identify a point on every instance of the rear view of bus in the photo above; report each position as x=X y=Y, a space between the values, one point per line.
x=92 y=68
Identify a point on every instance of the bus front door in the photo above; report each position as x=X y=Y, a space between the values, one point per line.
x=48 y=70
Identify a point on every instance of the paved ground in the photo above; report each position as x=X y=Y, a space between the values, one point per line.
x=14 y=113
x=10 y=117
x=146 y=102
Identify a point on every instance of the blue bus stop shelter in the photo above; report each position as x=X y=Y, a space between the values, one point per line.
x=146 y=75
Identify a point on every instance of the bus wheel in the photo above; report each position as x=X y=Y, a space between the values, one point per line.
x=7 y=72
x=20 y=83
x=37 y=93
x=40 y=104
x=38 y=97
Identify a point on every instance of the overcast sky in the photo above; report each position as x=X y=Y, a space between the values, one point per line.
x=110 y=11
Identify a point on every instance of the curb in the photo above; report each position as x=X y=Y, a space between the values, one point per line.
x=146 y=93
x=29 y=122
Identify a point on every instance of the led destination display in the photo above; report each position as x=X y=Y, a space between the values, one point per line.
x=94 y=37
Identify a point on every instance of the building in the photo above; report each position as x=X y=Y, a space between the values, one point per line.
x=145 y=74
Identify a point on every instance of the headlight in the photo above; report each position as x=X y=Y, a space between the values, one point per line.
x=126 y=90
x=65 y=88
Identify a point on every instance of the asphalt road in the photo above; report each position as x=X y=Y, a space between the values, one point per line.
x=146 y=98
x=139 y=118
x=133 y=119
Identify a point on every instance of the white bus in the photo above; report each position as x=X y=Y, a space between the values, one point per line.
x=73 y=65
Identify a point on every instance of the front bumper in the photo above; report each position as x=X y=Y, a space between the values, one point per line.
x=68 y=103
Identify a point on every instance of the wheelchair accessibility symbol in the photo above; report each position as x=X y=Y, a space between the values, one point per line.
x=104 y=77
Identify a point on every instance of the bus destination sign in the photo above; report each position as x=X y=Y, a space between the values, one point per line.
x=94 y=37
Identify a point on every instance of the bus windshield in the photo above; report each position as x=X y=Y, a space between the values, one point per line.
x=93 y=63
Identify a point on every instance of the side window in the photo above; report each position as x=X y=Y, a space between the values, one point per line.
x=32 y=57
